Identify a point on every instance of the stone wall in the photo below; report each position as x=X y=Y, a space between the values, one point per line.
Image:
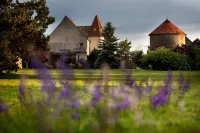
x=169 y=41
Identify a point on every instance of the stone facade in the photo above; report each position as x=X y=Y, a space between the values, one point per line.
x=168 y=41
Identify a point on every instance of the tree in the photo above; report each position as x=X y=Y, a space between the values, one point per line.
x=108 y=48
x=24 y=24
x=93 y=57
x=8 y=62
x=124 y=47
x=136 y=57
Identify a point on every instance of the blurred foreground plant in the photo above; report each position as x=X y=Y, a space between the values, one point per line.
x=98 y=108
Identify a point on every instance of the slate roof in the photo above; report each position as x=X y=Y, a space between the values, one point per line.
x=167 y=27
x=84 y=30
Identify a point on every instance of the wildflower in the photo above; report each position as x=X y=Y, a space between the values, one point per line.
x=76 y=116
x=97 y=95
x=160 y=99
x=75 y=104
x=129 y=81
x=64 y=94
x=186 y=86
x=125 y=104
x=181 y=79
x=22 y=86
x=3 y=107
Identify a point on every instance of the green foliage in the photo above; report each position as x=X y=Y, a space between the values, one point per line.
x=108 y=48
x=136 y=57
x=197 y=57
x=93 y=57
x=194 y=56
x=164 y=59
x=124 y=47
x=23 y=25
x=7 y=61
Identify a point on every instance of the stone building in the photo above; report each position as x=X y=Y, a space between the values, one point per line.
x=167 y=35
x=76 y=40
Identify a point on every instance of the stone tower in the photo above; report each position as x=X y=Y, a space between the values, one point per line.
x=167 y=35
x=95 y=34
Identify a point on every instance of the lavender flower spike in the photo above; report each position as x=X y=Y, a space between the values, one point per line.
x=22 y=86
x=123 y=105
x=3 y=107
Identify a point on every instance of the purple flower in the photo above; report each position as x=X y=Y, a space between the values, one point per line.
x=21 y=89
x=97 y=95
x=76 y=116
x=129 y=81
x=22 y=86
x=3 y=107
x=64 y=94
x=181 y=79
x=186 y=86
x=75 y=104
x=169 y=78
x=160 y=99
x=123 y=105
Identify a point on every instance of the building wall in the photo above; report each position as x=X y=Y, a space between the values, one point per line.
x=94 y=42
x=66 y=36
x=169 y=41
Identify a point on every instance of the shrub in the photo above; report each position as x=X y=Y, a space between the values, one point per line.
x=93 y=57
x=164 y=59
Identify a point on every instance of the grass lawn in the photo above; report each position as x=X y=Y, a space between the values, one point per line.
x=9 y=91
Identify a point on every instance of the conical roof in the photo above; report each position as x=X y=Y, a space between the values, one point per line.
x=167 y=27
x=96 y=28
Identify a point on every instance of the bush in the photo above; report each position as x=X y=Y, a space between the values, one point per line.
x=164 y=59
x=93 y=57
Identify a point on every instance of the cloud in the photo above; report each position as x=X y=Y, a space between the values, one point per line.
x=134 y=19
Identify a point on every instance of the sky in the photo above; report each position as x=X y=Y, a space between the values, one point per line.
x=133 y=19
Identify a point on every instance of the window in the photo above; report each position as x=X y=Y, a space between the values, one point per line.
x=81 y=44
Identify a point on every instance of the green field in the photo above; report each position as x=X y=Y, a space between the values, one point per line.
x=9 y=93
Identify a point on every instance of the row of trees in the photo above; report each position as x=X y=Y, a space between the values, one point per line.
x=22 y=30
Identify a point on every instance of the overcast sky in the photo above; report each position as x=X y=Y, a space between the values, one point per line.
x=133 y=19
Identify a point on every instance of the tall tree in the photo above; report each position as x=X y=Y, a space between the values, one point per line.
x=108 y=48
x=24 y=26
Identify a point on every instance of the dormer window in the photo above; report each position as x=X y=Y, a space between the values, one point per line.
x=81 y=44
